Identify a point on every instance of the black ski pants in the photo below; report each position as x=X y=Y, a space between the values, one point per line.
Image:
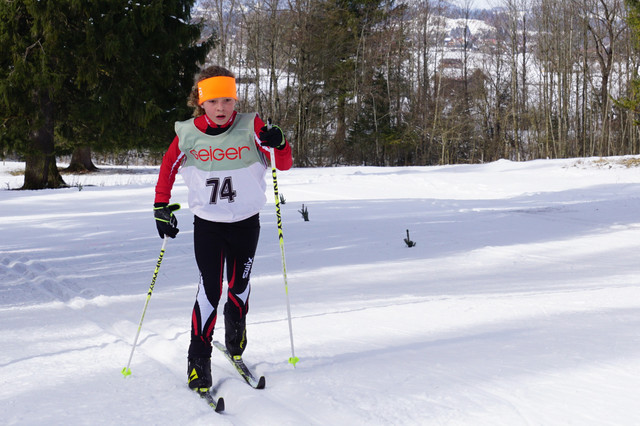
x=222 y=248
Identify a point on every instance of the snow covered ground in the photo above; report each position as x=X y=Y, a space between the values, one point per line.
x=519 y=305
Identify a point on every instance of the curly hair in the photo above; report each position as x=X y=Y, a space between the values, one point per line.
x=212 y=71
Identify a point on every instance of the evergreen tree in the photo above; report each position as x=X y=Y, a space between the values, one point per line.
x=109 y=74
x=340 y=26
x=632 y=101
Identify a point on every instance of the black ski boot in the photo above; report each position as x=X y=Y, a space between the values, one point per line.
x=235 y=335
x=199 y=373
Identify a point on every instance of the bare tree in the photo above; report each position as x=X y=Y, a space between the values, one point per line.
x=605 y=29
x=222 y=15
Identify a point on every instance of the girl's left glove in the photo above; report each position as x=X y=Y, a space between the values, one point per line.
x=272 y=137
x=166 y=221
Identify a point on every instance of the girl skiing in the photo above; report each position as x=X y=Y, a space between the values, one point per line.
x=222 y=157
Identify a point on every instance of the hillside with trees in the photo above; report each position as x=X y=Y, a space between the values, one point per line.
x=414 y=82
x=363 y=82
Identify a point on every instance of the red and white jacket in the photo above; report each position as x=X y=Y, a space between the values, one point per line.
x=225 y=173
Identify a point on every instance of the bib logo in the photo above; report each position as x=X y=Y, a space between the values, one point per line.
x=217 y=154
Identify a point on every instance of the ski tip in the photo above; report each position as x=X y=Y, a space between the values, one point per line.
x=220 y=405
x=261 y=383
x=216 y=404
x=294 y=360
x=126 y=372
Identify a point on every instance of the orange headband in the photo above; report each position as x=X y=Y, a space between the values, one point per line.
x=216 y=87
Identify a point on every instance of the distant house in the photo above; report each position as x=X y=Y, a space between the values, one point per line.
x=456 y=38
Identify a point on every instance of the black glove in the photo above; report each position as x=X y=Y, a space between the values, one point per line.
x=166 y=222
x=272 y=137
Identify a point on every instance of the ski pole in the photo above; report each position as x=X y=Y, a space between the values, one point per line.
x=126 y=371
x=294 y=359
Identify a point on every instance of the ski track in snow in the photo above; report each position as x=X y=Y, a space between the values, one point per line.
x=32 y=281
x=519 y=305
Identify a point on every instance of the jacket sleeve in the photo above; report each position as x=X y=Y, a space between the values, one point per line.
x=168 y=170
x=284 y=159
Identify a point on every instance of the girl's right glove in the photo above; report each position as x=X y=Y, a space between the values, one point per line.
x=166 y=221
x=272 y=137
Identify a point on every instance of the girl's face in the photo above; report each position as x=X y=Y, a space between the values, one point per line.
x=219 y=110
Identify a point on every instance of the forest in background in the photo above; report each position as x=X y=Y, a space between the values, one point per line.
x=429 y=82
x=352 y=82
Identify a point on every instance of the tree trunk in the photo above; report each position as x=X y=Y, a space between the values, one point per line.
x=81 y=161
x=341 y=129
x=41 y=170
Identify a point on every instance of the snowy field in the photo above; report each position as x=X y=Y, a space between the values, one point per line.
x=519 y=305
